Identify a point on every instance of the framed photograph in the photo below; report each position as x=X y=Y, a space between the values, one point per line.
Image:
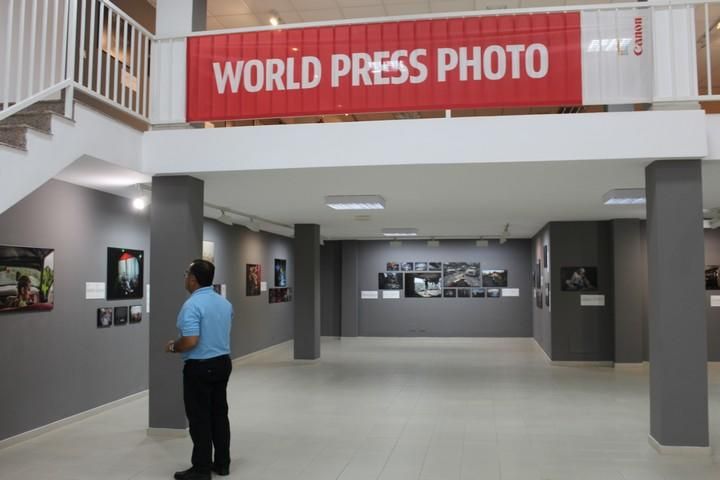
x=279 y=295
x=104 y=317
x=125 y=269
x=538 y=298
x=578 y=279
x=121 y=316
x=390 y=281
x=422 y=285
x=711 y=277
x=421 y=266
x=449 y=292
x=545 y=256
x=392 y=267
x=461 y=274
x=547 y=294
x=434 y=266
x=538 y=275
x=280 y=272
x=477 y=293
x=27 y=279
x=494 y=292
x=252 y=279
x=208 y=251
x=407 y=266
x=135 y=313
x=494 y=278
x=463 y=293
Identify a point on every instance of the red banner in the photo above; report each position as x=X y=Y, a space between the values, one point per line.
x=489 y=61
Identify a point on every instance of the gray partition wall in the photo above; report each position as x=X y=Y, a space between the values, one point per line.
x=58 y=363
x=542 y=318
x=440 y=317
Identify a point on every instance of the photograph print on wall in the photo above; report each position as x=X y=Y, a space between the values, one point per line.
x=434 y=266
x=27 y=279
x=422 y=285
x=578 y=279
x=478 y=293
x=407 y=266
x=547 y=294
x=392 y=267
x=104 y=317
x=711 y=277
x=461 y=274
x=463 y=293
x=208 y=251
x=494 y=292
x=121 y=316
x=135 y=313
x=124 y=273
x=449 y=292
x=545 y=256
x=421 y=266
x=280 y=272
x=494 y=278
x=252 y=280
x=390 y=281
x=538 y=298
x=279 y=295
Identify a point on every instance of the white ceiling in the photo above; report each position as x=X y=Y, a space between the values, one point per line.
x=250 y=13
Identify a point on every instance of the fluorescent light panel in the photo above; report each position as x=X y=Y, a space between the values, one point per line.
x=355 y=202
x=400 y=232
x=625 y=196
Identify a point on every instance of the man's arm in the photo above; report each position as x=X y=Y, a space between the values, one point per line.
x=182 y=344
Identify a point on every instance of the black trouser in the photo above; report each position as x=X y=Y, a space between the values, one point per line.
x=205 y=392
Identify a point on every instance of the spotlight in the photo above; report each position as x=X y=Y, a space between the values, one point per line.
x=139 y=203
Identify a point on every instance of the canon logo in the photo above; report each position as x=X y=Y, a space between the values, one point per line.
x=638 y=50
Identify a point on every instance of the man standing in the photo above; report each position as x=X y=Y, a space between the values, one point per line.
x=204 y=325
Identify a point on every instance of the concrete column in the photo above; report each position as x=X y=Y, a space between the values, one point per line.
x=307 y=292
x=350 y=290
x=180 y=17
x=176 y=232
x=677 y=324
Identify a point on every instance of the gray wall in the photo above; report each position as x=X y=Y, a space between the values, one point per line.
x=443 y=317
x=331 y=288
x=57 y=364
x=581 y=333
x=257 y=323
x=542 y=318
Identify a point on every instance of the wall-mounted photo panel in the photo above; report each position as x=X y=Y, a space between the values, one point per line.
x=547 y=294
x=280 y=272
x=135 y=313
x=538 y=298
x=252 y=279
x=434 y=266
x=124 y=273
x=578 y=279
x=407 y=266
x=711 y=277
x=421 y=266
x=121 y=316
x=461 y=274
x=390 y=281
x=104 y=317
x=494 y=292
x=463 y=293
x=422 y=285
x=27 y=279
x=538 y=275
x=477 y=293
x=449 y=292
x=208 y=251
x=392 y=267
x=279 y=295
x=494 y=278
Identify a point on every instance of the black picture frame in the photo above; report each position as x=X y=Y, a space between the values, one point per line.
x=281 y=273
x=27 y=279
x=120 y=316
x=104 y=317
x=579 y=279
x=125 y=273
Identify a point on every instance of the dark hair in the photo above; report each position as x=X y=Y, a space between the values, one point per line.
x=203 y=271
x=23 y=281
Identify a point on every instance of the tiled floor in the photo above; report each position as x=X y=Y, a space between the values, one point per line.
x=396 y=409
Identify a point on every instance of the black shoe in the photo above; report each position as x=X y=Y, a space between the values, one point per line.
x=222 y=471
x=192 y=474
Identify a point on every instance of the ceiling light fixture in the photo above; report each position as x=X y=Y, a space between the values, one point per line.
x=625 y=196
x=505 y=234
x=252 y=225
x=225 y=218
x=433 y=243
x=139 y=203
x=355 y=202
x=275 y=19
x=400 y=232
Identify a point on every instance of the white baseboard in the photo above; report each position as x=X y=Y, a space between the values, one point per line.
x=168 y=432
x=69 y=420
x=244 y=358
x=678 y=450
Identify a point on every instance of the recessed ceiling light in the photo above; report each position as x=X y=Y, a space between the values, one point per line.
x=400 y=232
x=355 y=202
x=625 y=196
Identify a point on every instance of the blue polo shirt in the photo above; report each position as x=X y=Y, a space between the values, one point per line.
x=209 y=316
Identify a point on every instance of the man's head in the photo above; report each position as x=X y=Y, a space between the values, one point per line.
x=199 y=274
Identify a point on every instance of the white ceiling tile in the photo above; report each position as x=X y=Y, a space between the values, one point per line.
x=358 y=3
x=407 y=2
x=324 y=15
x=213 y=23
x=227 y=7
x=364 y=12
x=407 y=9
x=541 y=3
x=238 y=21
x=440 y=6
x=258 y=6
x=313 y=4
x=290 y=17
x=496 y=4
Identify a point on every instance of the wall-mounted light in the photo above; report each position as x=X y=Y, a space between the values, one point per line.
x=225 y=218
x=139 y=203
x=400 y=232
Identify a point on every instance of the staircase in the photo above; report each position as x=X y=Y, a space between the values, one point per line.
x=38 y=118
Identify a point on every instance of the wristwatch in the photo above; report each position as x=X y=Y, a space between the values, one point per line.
x=172 y=347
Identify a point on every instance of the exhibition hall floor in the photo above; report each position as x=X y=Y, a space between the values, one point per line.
x=396 y=409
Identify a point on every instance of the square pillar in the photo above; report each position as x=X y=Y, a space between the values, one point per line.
x=677 y=324
x=307 y=292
